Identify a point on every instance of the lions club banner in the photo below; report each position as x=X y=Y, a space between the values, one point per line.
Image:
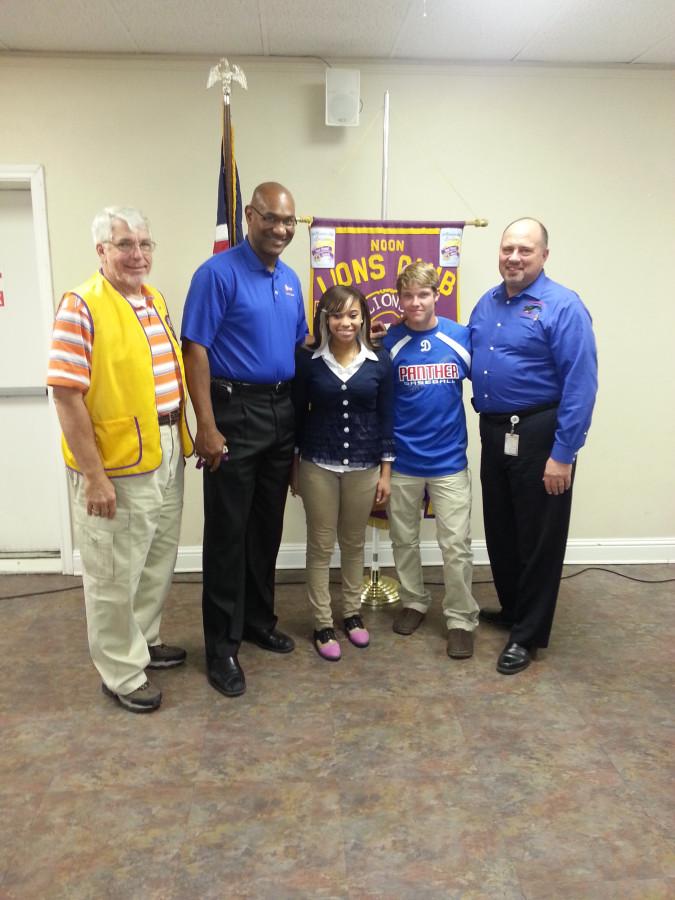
x=369 y=255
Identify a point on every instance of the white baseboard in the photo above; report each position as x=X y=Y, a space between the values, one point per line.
x=35 y=565
x=580 y=551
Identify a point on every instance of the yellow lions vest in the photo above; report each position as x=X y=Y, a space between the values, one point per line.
x=121 y=396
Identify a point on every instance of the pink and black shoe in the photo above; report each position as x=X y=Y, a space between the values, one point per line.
x=326 y=644
x=356 y=632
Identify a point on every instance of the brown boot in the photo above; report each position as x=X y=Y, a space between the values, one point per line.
x=407 y=620
x=460 y=643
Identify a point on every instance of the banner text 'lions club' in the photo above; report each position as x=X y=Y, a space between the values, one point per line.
x=370 y=255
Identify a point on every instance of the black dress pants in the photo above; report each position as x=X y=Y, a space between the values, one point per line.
x=525 y=528
x=244 y=504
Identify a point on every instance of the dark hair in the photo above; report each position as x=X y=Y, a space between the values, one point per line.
x=334 y=300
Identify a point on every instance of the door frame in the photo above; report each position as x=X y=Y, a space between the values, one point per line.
x=32 y=176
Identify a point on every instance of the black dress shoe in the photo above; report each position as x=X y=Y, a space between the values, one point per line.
x=495 y=617
x=273 y=640
x=514 y=658
x=227 y=676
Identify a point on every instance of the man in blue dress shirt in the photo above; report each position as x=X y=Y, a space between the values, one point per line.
x=244 y=316
x=534 y=379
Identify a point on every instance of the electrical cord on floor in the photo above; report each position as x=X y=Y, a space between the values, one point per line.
x=78 y=587
x=491 y=580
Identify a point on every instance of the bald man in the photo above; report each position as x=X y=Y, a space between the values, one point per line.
x=534 y=375
x=244 y=316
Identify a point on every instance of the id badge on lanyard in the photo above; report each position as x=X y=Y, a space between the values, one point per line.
x=511 y=438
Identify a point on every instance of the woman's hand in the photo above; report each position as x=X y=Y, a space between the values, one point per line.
x=383 y=489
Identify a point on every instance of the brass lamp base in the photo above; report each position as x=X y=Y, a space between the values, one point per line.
x=379 y=590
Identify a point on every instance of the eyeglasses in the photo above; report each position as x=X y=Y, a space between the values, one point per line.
x=271 y=219
x=127 y=246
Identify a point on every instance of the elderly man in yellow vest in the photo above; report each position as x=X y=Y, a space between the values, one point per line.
x=118 y=381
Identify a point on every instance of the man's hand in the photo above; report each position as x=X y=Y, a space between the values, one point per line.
x=557 y=477
x=210 y=446
x=99 y=493
x=209 y=443
x=79 y=433
x=377 y=331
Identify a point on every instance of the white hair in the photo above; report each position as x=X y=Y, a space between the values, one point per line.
x=101 y=227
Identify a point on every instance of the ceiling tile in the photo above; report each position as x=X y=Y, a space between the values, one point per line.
x=348 y=28
x=602 y=31
x=66 y=26
x=489 y=31
x=663 y=52
x=202 y=26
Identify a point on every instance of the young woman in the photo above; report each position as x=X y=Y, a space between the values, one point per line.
x=343 y=397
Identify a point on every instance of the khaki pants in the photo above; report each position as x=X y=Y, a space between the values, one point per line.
x=128 y=563
x=337 y=504
x=451 y=498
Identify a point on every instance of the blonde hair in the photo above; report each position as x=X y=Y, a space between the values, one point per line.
x=420 y=272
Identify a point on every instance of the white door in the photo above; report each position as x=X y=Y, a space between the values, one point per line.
x=33 y=519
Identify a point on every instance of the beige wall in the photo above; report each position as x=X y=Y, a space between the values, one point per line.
x=589 y=151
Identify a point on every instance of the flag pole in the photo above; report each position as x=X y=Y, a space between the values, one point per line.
x=227 y=163
x=224 y=73
x=380 y=590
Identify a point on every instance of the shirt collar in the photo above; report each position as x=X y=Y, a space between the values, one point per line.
x=534 y=290
x=253 y=261
x=325 y=353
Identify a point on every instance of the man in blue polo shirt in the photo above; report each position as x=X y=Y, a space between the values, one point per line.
x=244 y=316
x=534 y=384
x=431 y=355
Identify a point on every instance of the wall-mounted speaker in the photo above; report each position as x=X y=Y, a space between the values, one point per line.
x=343 y=96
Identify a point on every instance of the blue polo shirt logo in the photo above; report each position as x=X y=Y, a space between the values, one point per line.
x=531 y=311
x=288 y=290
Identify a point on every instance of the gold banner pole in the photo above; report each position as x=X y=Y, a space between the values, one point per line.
x=477 y=223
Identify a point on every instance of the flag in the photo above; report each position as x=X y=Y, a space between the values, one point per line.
x=228 y=220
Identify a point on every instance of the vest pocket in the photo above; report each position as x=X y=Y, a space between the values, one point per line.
x=119 y=442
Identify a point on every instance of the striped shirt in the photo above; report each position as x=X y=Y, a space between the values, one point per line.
x=72 y=340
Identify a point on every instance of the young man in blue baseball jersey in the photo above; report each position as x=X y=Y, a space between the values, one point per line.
x=431 y=355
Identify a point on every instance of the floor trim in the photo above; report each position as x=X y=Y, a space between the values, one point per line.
x=34 y=565
x=580 y=551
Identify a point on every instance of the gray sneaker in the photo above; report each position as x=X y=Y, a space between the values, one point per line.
x=162 y=656
x=144 y=699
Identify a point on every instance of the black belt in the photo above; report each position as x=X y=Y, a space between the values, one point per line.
x=170 y=418
x=246 y=387
x=503 y=418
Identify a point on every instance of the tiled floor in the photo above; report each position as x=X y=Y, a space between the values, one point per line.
x=396 y=773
